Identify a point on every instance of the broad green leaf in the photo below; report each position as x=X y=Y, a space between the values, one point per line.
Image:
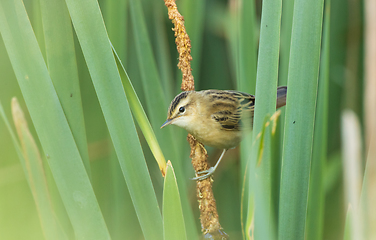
x=157 y=103
x=266 y=96
x=116 y=18
x=50 y=122
x=286 y=25
x=89 y=26
x=316 y=195
x=140 y=115
x=267 y=153
x=31 y=162
x=275 y=164
x=246 y=50
x=300 y=116
x=247 y=42
x=157 y=106
x=162 y=50
x=261 y=140
x=173 y=220
x=193 y=12
x=62 y=66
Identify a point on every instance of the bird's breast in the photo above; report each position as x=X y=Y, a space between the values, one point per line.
x=211 y=134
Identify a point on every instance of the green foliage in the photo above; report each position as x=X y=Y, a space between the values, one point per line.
x=96 y=122
x=300 y=116
x=173 y=220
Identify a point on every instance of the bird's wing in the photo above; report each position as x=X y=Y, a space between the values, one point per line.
x=235 y=111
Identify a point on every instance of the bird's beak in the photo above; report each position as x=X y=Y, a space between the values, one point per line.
x=168 y=121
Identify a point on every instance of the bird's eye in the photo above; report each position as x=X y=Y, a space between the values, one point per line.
x=181 y=109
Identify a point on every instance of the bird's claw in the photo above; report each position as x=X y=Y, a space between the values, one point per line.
x=207 y=173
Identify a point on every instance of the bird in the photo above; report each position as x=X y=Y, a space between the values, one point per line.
x=216 y=118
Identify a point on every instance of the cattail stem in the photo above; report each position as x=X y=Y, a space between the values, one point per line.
x=183 y=45
x=208 y=211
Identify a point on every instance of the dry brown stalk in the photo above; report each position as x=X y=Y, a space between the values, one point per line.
x=210 y=226
x=183 y=45
x=208 y=211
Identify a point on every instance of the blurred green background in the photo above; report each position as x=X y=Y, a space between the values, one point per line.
x=214 y=27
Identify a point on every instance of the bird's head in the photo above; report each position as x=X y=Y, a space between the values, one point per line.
x=181 y=110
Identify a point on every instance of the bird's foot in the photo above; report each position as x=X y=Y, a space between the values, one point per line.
x=207 y=173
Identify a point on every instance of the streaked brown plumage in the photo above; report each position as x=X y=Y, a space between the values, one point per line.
x=216 y=117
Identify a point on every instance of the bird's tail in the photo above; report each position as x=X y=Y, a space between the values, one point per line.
x=281 y=96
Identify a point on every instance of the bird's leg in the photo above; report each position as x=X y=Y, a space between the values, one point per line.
x=210 y=171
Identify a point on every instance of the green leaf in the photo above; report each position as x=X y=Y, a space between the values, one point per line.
x=141 y=118
x=261 y=146
x=157 y=107
x=246 y=56
x=173 y=220
x=316 y=195
x=275 y=164
x=194 y=16
x=33 y=168
x=247 y=41
x=116 y=18
x=62 y=66
x=162 y=50
x=156 y=100
x=50 y=122
x=300 y=116
x=89 y=26
x=286 y=25
x=266 y=95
